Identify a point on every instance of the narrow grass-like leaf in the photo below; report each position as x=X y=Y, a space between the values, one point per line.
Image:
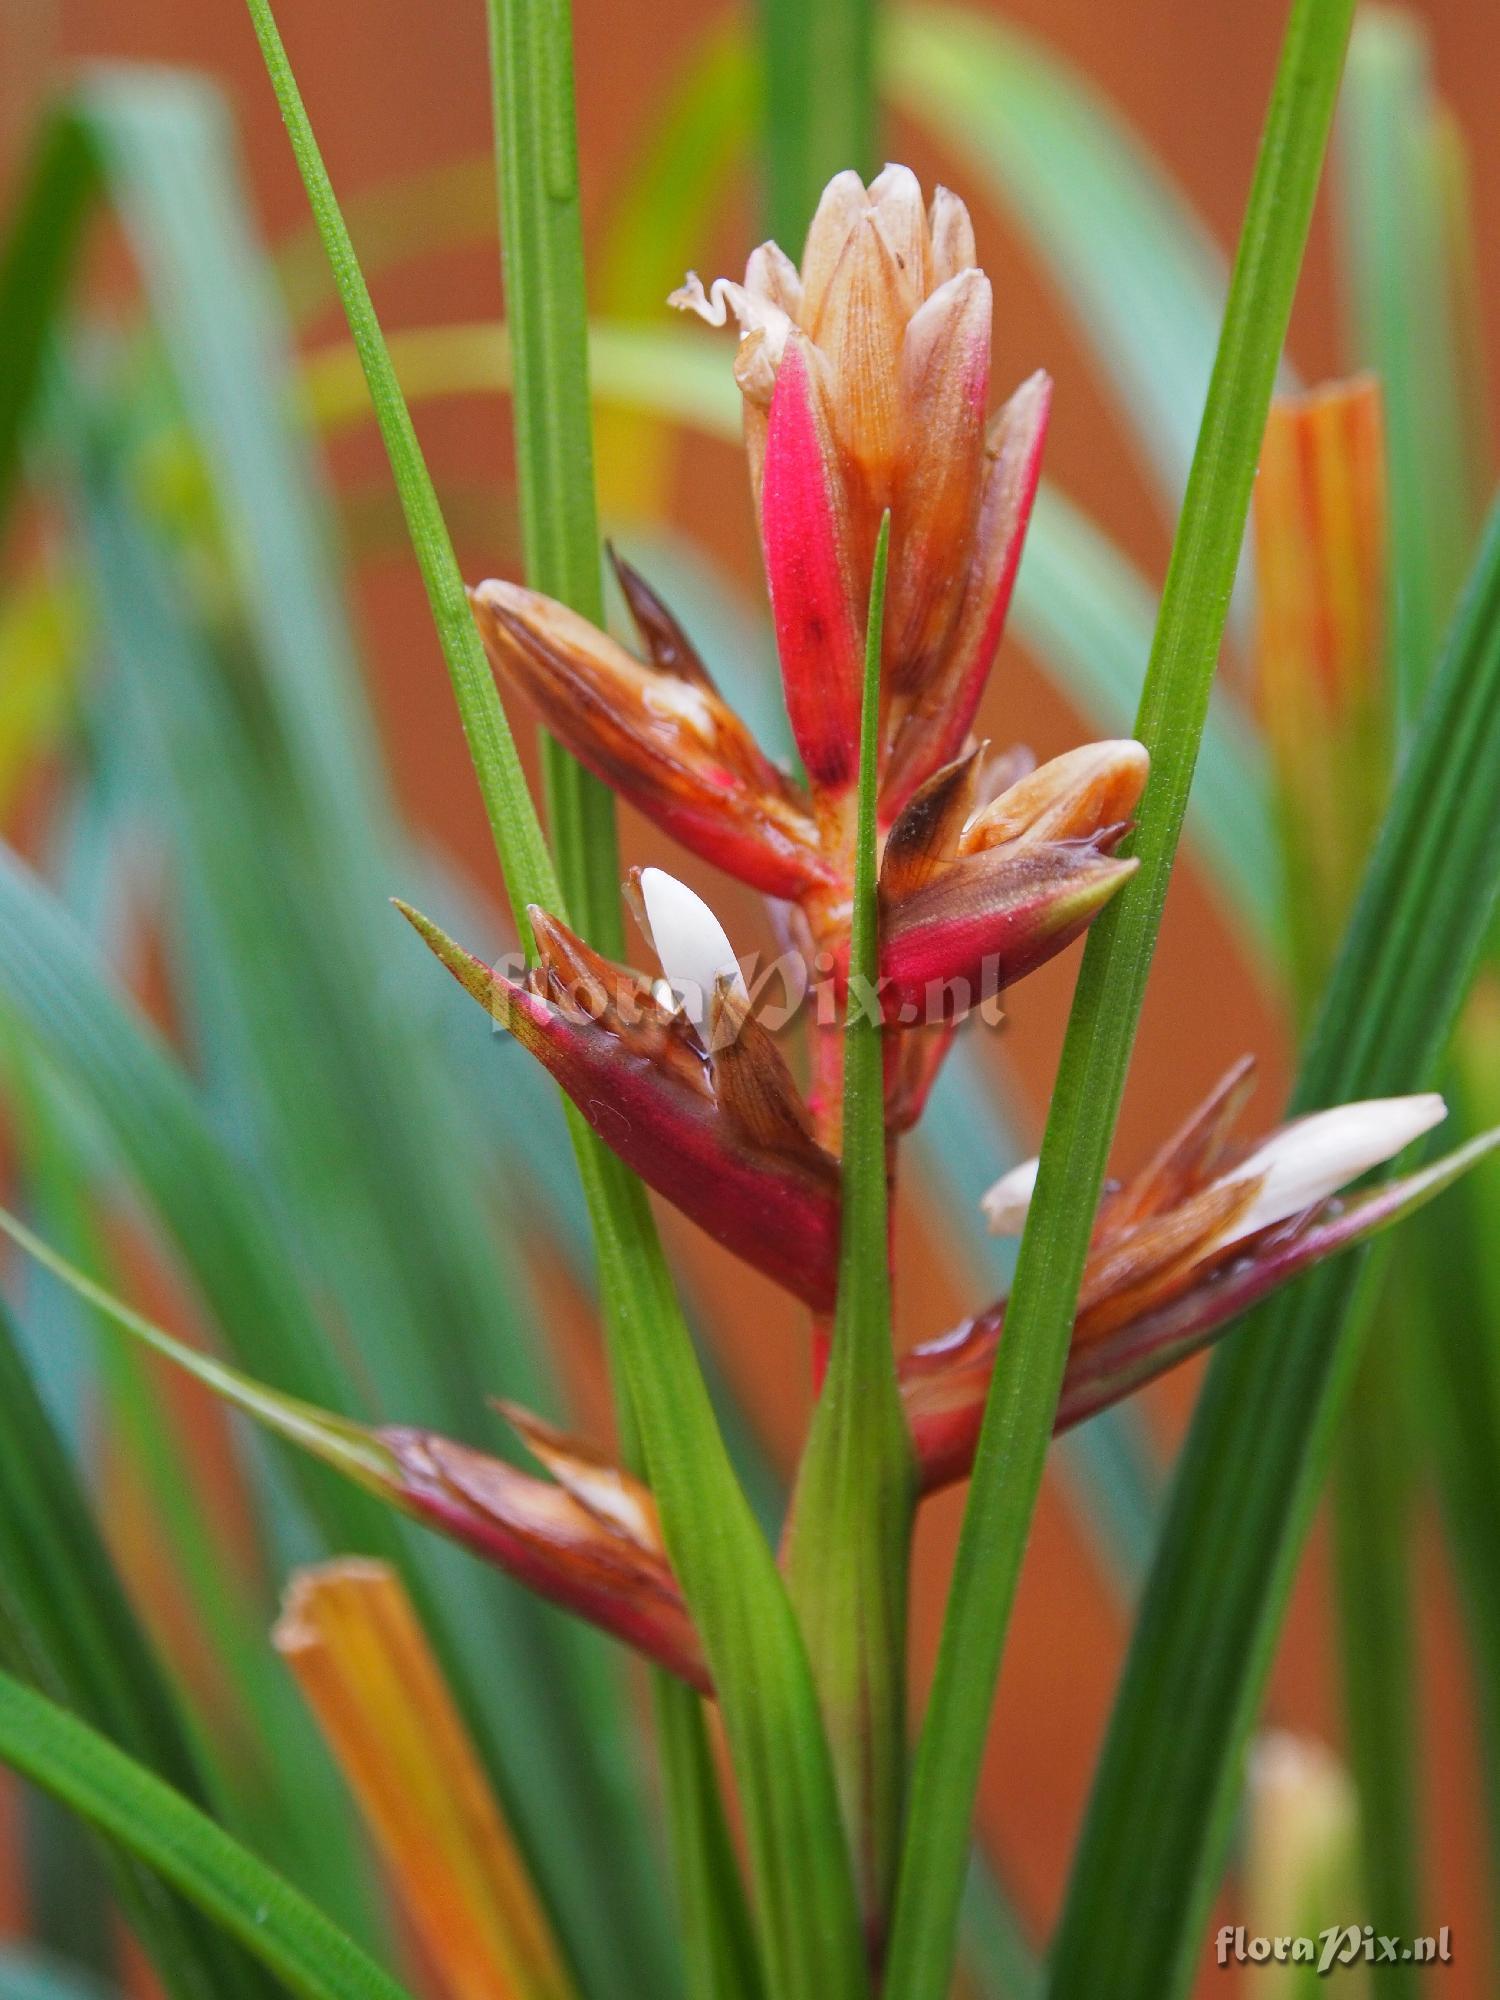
x=1321 y=669
x=1373 y=1519
x=1458 y=1384
x=530 y=876
x=36 y=269
x=849 y=1543
x=1393 y=225
x=817 y=104
x=720 y=1959
x=1408 y=250
x=996 y=1952
x=805 y=1896
x=66 y=1625
x=1111 y=985
x=163 y=1830
x=541 y=236
x=531 y=54
x=1249 y=1473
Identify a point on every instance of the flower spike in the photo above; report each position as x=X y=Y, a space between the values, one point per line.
x=865 y=378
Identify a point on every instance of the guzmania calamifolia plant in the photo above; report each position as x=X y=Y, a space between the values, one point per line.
x=864 y=374
x=913 y=877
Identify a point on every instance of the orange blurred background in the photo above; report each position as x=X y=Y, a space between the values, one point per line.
x=393 y=88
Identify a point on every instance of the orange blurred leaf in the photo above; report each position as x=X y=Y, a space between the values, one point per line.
x=350 y=1636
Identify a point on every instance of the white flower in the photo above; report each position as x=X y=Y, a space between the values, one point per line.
x=1006 y=1203
x=690 y=942
x=1299 y=1167
x=1313 y=1157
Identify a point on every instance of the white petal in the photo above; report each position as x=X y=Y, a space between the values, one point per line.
x=1006 y=1203
x=755 y=311
x=690 y=942
x=1314 y=1157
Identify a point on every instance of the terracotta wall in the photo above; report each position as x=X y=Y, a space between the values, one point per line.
x=393 y=87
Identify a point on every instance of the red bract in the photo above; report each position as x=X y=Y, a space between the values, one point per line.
x=942 y=708
x=582 y=1556
x=658 y=733
x=810 y=573
x=1179 y=1253
x=972 y=900
x=713 y=1123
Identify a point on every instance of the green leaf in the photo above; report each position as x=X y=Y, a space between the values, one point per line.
x=718 y=1939
x=1249 y=1473
x=541 y=234
x=1394 y=228
x=1404 y=297
x=66 y=1626
x=805 y=1899
x=36 y=267
x=1101 y=1029
x=162 y=1829
x=1458 y=1385
x=997 y=1953
x=849 y=1538
x=819 y=113
x=1374 y=1496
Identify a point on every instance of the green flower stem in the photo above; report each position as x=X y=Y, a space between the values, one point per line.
x=849 y=1543
x=1174 y=702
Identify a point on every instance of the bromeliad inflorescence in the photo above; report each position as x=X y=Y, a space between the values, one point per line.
x=865 y=377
